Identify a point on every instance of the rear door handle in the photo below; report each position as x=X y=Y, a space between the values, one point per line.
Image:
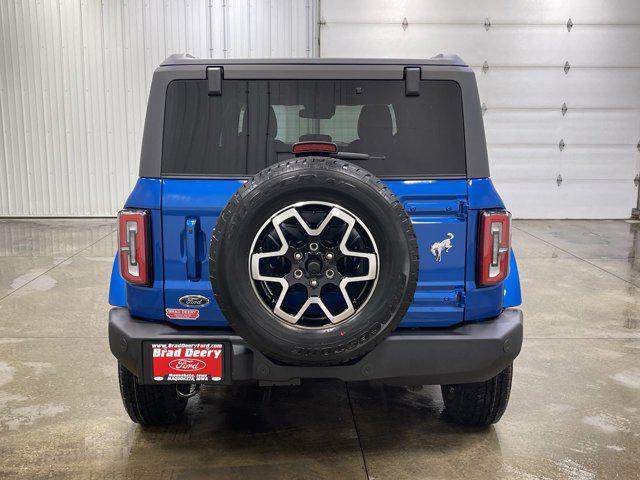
x=192 y=227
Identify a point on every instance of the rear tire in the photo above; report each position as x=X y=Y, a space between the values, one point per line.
x=150 y=405
x=478 y=404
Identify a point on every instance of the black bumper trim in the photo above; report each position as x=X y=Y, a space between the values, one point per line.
x=471 y=352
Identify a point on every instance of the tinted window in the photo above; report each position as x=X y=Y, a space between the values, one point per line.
x=253 y=124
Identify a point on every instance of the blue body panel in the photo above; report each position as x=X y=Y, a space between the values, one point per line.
x=183 y=201
x=117 y=286
x=436 y=208
x=483 y=195
x=512 y=293
x=184 y=213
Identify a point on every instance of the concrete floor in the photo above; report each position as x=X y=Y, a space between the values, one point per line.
x=574 y=411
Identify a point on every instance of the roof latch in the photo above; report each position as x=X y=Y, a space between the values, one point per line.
x=214 y=79
x=412 y=81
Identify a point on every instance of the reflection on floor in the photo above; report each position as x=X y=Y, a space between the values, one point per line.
x=574 y=411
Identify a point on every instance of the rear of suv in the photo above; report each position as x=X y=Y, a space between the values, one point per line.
x=322 y=218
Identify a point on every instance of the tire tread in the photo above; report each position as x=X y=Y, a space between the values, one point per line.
x=149 y=405
x=481 y=403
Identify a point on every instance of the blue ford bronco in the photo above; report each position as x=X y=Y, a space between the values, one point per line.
x=317 y=218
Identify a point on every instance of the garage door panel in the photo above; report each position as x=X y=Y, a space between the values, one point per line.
x=596 y=198
x=513 y=162
x=498 y=11
x=601 y=126
x=551 y=87
x=548 y=126
x=522 y=126
x=500 y=46
x=575 y=162
x=572 y=199
x=599 y=162
x=530 y=198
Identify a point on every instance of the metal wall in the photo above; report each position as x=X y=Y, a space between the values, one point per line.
x=530 y=59
x=74 y=79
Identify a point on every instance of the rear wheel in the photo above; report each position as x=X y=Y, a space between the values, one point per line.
x=478 y=404
x=150 y=404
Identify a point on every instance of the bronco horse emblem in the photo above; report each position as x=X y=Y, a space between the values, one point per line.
x=444 y=246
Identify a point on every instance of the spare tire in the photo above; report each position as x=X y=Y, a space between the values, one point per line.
x=314 y=261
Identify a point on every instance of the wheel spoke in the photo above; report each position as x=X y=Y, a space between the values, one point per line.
x=312 y=232
x=256 y=257
x=372 y=258
x=311 y=301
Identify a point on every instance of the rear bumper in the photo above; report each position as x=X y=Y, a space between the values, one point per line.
x=471 y=352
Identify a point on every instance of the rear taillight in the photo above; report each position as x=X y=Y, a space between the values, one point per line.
x=133 y=246
x=495 y=244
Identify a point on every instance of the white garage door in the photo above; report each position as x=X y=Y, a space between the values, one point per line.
x=530 y=60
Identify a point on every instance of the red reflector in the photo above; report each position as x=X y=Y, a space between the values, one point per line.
x=314 y=147
x=494 y=248
x=133 y=246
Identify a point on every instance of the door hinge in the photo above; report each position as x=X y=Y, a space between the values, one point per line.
x=567 y=67
x=463 y=209
x=636 y=179
x=412 y=81
x=214 y=79
x=559 y=180
x=461 y=299
x=405 y=23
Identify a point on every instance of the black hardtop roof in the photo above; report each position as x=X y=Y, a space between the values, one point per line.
x=439 y=60
x=187 y=67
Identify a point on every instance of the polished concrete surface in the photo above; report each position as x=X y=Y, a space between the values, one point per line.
x=574 y=411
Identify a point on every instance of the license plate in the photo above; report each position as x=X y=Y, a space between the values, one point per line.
x=187 y=362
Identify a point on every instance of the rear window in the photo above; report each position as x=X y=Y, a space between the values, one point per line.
x=253 y=124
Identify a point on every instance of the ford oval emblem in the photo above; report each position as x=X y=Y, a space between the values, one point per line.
x=194 y=301
x=187 y=364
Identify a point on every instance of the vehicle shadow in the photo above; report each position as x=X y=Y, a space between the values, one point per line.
x=405 y=433
x=321 y=429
